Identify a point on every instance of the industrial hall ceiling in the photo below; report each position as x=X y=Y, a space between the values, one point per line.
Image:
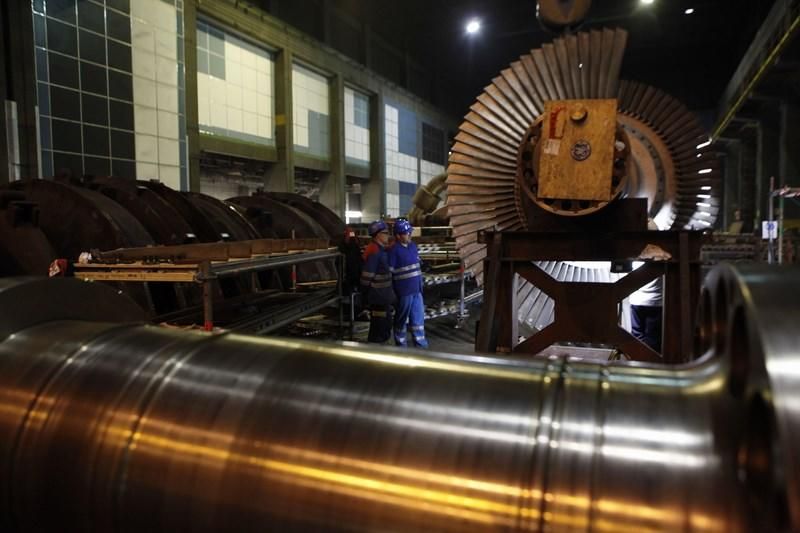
x=691 y=56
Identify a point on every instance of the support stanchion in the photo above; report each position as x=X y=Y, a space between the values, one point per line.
x=206 y=279
x=340 y=283
x=352 y=314
x=294 y=271
x=771 y=221
x=462 y=312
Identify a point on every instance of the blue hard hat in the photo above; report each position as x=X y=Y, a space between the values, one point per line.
x=402 y=226
x=376 y=227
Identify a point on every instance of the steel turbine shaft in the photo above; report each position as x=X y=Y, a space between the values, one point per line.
x=124 y=427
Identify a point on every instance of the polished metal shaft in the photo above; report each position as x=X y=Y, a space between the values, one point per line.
x=109 y=427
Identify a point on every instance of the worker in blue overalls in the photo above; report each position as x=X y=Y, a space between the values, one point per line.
x=376 y=283
x=407 y=282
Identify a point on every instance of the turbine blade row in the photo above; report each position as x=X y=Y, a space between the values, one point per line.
x=482 y=168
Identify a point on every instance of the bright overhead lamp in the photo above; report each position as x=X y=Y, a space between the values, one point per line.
x=473 y=26
x=646 y=2
x=689 y=11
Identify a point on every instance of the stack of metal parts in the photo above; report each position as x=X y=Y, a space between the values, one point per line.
x=672 y=165
x=449 y=290
x=126 y=427
x=440 y=250
x=431 y=279
x=731 y=248
x=453 y=306
x=447 y=287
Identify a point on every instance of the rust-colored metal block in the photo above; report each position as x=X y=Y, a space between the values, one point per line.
x=576 y=151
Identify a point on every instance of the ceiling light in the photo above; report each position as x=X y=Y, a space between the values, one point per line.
x=473 y=26
x=647 y=2
x=703 y=144
x=689 y=11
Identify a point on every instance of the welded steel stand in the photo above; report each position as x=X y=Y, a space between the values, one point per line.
x=206 y=263
x=587 y=312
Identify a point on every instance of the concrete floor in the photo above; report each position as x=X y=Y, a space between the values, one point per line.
x=442 y=333
x=445 y=334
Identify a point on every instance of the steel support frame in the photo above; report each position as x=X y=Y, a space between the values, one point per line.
x=587 y=312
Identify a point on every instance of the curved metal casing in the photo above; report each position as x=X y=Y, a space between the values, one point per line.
x=28 y=301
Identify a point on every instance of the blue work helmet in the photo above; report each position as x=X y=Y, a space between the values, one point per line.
x=377 y=227
x=402 y=226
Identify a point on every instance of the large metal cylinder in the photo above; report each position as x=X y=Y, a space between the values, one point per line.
x=137 y=428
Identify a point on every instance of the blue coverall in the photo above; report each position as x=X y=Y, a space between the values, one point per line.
x=407 y=282
x=376 y=285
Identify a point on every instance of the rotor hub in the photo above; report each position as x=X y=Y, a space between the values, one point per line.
x=529 y=162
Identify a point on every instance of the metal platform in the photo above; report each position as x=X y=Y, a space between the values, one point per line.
x=206 y=263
